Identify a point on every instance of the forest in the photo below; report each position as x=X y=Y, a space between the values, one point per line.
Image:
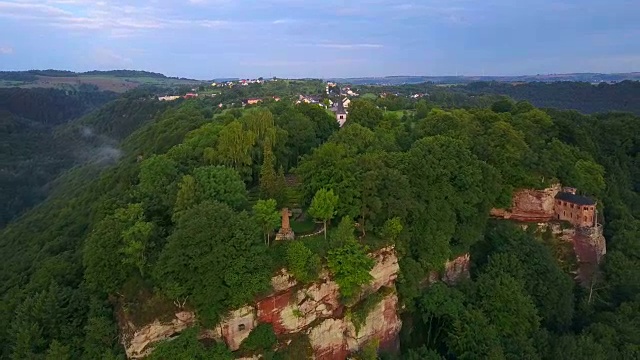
x=584 y=97
x=188 y=211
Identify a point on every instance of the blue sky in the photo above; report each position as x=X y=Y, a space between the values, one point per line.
x=298 y=38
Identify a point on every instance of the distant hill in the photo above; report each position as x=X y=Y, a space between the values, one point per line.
x=585 y=97
x=399 y=80
x=112 y=80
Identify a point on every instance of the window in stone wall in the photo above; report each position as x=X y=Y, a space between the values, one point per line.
x=241 y=327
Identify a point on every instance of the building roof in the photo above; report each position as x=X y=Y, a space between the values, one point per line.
x=340 y=108
x=575 y=199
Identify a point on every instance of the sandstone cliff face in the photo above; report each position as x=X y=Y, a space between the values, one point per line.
x=589 y=246
x=292 y=310
x=530 y=205
x=314 y=309
x=336 y=338
x=457 y=269
x=137 y=342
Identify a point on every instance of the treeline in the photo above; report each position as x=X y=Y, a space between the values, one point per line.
x=31 y=75
x=187 y=215
x=125 y=73
x=584 y=97
x=51 y=106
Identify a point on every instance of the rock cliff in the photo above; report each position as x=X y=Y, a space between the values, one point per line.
x=335 y=338
x=137 y=342
x=314 y=310
x=293 y=308
x=530 y=205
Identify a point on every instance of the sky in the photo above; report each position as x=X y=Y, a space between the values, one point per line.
x=207 y=39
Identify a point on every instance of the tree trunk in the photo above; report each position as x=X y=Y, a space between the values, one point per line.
x=325 y=229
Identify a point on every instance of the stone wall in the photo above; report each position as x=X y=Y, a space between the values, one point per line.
x=530 y=205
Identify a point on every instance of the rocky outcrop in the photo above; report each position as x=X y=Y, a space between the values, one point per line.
x=385 y=271
x=137 y=345
x=236 y=326
x=335 y=338
x=530 y=205
x=293 y=309
x=589 y=246
x=314 y=309
x=457 y=269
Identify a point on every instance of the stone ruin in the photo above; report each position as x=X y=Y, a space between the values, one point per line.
x=539 y=207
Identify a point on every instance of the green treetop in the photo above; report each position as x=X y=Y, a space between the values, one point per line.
x=323 y=207
x=350 y=266
x=267 y=216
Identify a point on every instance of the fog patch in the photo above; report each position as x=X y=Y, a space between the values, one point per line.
x=107 y=154
x=86 y=132
x=95 y=148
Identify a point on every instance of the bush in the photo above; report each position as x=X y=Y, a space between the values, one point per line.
x=187 y=347
x=358 y=314
x=299 y=348
x=350 y=266
x=261 y=338
x=302 y=262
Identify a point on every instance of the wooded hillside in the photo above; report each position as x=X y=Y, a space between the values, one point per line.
x=186 y=215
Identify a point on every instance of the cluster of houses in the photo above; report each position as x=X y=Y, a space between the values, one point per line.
x=337 y=99
x=253 y=101
x=190 y=95
x=241 y=82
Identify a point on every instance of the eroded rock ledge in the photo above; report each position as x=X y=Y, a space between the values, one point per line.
x=313 y=309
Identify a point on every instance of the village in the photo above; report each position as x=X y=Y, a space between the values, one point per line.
x=334 y=98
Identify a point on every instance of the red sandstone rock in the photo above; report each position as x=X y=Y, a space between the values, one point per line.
x=530 y=205
x=294 y=309
x=138 y=346
x=337 y=338
x=457 y=269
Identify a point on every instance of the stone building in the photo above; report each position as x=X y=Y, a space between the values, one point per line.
x=580 y=211
x=341 y=113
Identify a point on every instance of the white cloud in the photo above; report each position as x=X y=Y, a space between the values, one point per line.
x=16 y=8
x=114 y=18
x=283 y=21
x=6 y=50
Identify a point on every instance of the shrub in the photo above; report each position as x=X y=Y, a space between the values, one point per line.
x=261 y=338
x=302 y=262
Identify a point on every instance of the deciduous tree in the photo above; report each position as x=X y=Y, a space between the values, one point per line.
x=302 y=262
x=214 y=259
x=350 y=266
x=267 y=216
x=323 y=207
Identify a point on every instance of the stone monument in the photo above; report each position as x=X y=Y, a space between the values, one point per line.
x=285 y=232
